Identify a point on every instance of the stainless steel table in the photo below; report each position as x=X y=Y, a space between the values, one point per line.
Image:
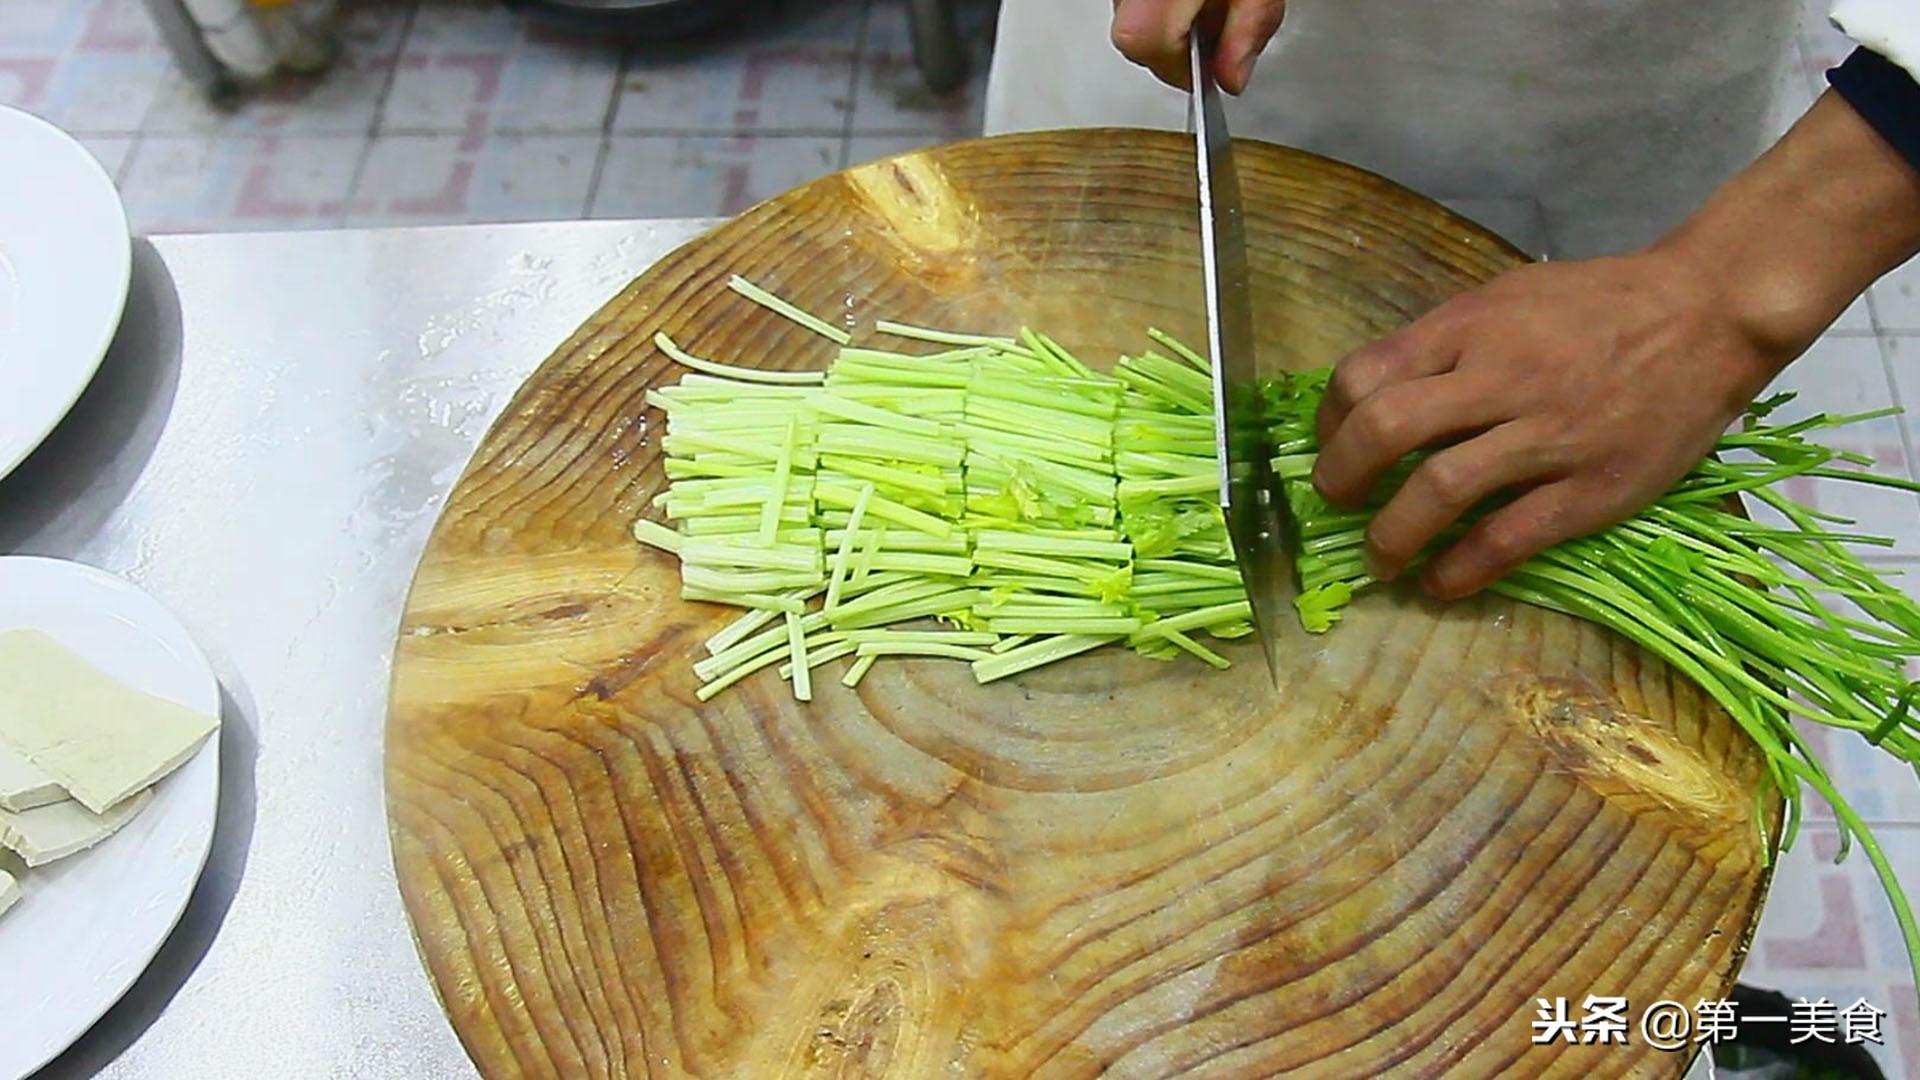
x=265 y=450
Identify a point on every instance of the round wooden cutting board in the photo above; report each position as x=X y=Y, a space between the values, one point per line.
x=1111 y=865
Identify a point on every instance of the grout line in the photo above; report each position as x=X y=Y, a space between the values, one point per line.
x=860 y=42
x=619 y=88
x=126 y=165
x=371 y=136
x=377 y=122
x=1900 y=420
x=248 y=136
x=731 y=133
x=599 y=173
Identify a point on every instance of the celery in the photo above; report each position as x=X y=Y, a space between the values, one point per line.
x=711 y=367
x=781 y=307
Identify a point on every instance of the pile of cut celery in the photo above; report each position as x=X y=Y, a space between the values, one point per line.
x=996 y=501
x=1748 y=610
x=985 y=499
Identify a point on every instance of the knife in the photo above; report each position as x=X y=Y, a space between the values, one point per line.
x=1256 y=515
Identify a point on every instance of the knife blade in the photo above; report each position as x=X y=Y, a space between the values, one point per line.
x=1256 y=515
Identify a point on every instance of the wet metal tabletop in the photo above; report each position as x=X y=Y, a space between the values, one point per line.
x=265 y=450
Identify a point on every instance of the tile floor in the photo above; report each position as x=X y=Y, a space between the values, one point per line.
x=445 y=111
x=456 y=110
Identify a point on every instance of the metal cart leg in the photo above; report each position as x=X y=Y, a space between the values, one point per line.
x=937 y=49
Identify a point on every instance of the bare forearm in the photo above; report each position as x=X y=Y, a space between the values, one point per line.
x=1790 y=242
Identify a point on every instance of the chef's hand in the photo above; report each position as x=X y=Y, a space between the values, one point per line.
x=1582 y=391
x=1586 y=388
x=1155 y=33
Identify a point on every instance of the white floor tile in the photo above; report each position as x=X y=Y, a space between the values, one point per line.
x=110 y=150
x=697 y=176
x=446 y=179
x=795 y=76
x=187 y=184
x=1896 y=300
x=343 y=99
x=892 y=96
x=1846 y=374
x=1828 y=931
x=862 y=149
x=558 y=86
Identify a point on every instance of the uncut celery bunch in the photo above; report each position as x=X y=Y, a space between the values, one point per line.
x=1746 y=609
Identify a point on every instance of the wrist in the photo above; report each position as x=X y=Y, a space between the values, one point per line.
x=1759 y=289
x=1784 y=247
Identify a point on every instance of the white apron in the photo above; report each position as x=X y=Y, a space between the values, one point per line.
x=1609 y=119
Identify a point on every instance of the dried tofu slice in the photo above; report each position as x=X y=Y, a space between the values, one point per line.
x=22 y=786
x=99 y=739
x=47 y=833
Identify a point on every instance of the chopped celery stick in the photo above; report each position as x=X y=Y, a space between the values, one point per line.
x=737 y=630
x=863 y=564
x=904 y=540
x=777 y=498
x=734 y=675
x=939 y=337
x=1034 y=544
x=1228 y=574
x=742 y=599
x=853 y=440
x=822 y=655
x=713 y=367
x=1040 y=606
x=721 y=581
x=765 y=641
x=944 y=637
x=846 y=546
x=1063 y=624
x=936 y=604
x=845 y=408
x=1197 y=649
x=1179 y=349
x=883 y=508
x=858 y=671
x=1193 y=620
x=1034 y=654
x=860 y=586
x=1007 y=643
x=658 y=535
x=933 y=484
x=918 y=563
x=922 y=648
x=781 y=307
x=908 y=589
x=797 y=643
x=706 y=551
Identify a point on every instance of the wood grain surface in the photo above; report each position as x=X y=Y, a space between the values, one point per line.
x=1113 y=865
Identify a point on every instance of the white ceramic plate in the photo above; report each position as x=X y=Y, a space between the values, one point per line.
x=88 y=925
x=65 y=258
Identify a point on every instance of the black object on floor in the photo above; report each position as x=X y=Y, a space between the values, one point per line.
x=638 y=18
x=938 y=50
x=1768 y=1050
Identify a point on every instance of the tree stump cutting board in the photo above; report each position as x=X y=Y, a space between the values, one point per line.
x=1113 y=865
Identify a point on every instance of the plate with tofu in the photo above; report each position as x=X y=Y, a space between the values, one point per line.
x=109 y=784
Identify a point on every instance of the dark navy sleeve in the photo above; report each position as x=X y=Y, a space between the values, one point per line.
x=1885 y=96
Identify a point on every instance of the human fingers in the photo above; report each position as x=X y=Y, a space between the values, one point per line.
x=1249 y=26
x=1511 y=535
x=1448 y=484
x=1397 y=419
x=1154 y=34
x=1415 y=352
